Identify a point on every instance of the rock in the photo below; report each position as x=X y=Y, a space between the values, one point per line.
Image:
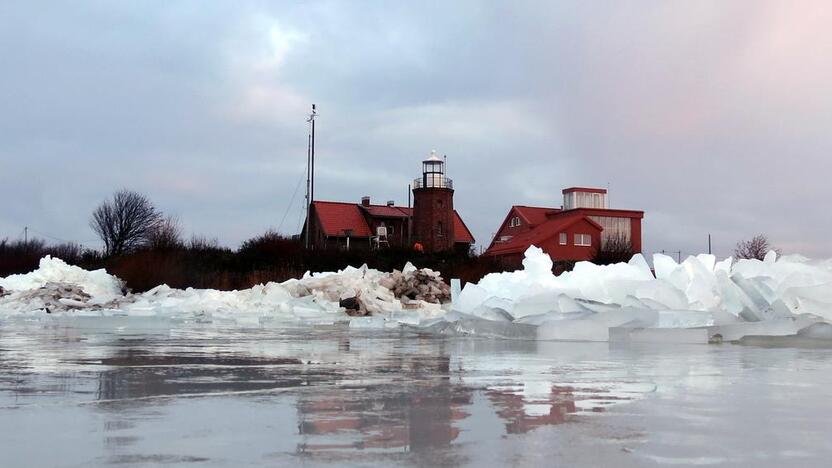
x=354 y=306
x=56 y=297
x=419 y=285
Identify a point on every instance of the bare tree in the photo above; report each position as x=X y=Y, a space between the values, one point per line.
x=757 y=248
x=166 y=235
x=125 y=222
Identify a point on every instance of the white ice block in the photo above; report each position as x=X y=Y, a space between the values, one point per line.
x=659 y=335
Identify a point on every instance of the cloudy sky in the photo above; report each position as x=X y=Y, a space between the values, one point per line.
x=713 y=117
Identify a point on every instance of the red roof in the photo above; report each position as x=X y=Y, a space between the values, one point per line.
x=461 y=231
x=337 y=217
x=538 y=235
x=534 y=215
x=386 y=211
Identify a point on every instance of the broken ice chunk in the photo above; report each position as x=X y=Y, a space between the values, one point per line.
x=659 y=335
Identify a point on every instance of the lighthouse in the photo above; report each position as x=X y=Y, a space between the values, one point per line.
x=433 y=207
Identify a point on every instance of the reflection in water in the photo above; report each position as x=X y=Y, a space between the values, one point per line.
x=370 y=392
x=515 y=410
x=387 y=416
x=266 y=395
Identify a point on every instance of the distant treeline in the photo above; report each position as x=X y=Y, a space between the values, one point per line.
x=203 y=263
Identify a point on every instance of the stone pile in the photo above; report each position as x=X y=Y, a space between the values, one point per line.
x=419 y=285
x=56 y=297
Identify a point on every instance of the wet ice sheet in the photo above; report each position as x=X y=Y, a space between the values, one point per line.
x=88 y=395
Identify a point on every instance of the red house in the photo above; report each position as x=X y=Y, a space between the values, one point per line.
x=433 y=222
x=572 y=232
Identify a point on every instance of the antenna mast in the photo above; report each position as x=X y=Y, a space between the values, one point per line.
x=312 y=121
x=310 y=172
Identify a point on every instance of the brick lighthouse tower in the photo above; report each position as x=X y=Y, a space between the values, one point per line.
x=433 y=207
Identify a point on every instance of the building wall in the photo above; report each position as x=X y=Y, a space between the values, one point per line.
x=432 y=206
x=398 y=238
x=570 y=251
x=635 y=230
x=634 y=218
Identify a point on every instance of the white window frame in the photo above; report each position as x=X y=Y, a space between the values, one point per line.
x=514 y=221
x=580 y=238
x=563 y=238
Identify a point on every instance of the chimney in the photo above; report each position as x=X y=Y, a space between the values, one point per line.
x=365 y=201
x=391 y=203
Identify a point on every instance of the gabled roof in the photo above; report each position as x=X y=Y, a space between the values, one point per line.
x=538 y=235
x=534 y=215
x=337 y=217
x=461 y=231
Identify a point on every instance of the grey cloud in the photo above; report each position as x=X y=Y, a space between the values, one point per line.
x=712 y=117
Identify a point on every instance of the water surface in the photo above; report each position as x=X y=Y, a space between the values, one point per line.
x=134 y=392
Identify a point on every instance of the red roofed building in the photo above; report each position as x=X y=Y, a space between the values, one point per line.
x=432 y=222
x=572 y=232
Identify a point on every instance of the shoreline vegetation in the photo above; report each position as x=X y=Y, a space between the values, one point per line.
x=203 y=263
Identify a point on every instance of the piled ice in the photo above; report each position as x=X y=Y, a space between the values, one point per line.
x=60 y=289
x=699 y=300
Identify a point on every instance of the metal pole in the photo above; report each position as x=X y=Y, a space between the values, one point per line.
x=25 y=235
x=308 y=201
x=709 y=244
x=409 y=219
x=310 y=174
x=312 y=190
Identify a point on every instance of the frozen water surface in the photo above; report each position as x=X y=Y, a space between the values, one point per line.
x=134 y=391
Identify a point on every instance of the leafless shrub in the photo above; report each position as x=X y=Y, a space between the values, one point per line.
x=203 y=243
x=614 y=249
x=68 y=252
x=20 y=256
x=125 y=222
x=755 y=248
x=166 y=235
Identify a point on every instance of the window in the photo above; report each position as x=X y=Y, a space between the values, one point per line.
x=583 y=240
x=514 y=222
x=614 y=227
x=563 y=238
x=439 y=203
x=439 y=229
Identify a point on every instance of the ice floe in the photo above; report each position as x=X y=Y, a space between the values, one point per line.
x=699 y=300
